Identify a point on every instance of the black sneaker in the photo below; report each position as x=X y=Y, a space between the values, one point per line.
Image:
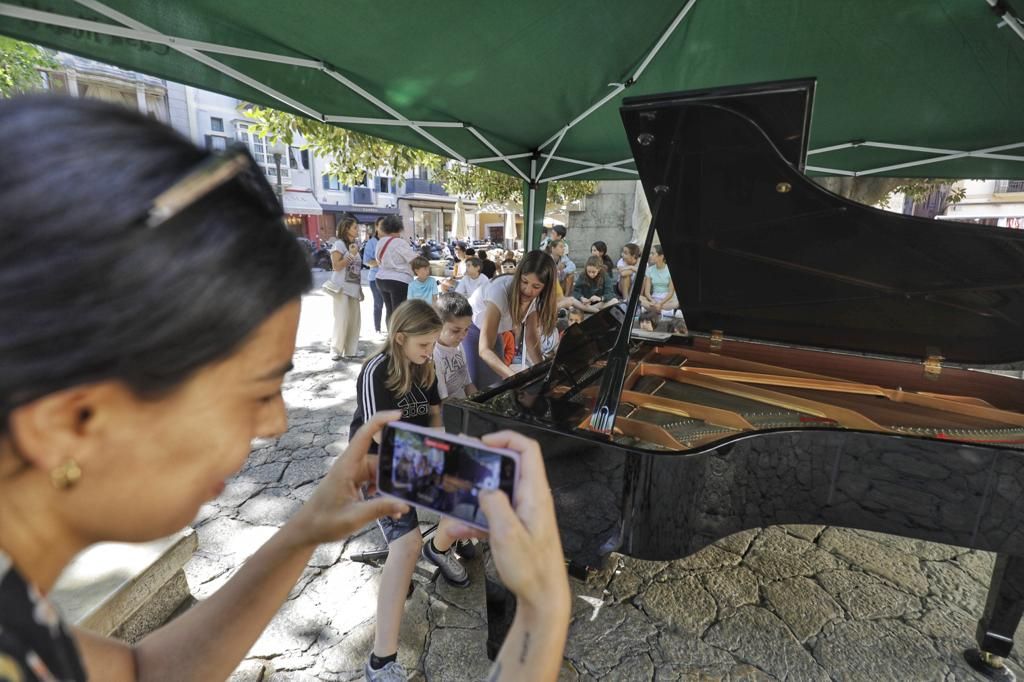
x=453 y=572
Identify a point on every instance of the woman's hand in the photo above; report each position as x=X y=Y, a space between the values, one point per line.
x=336 y=508
x=524 y=536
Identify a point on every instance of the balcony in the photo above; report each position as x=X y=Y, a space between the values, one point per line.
x=1009 y=186
x=420 y=186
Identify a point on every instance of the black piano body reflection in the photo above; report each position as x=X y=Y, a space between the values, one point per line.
x=834 y=392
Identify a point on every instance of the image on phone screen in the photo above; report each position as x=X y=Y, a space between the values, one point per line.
x=441 y=473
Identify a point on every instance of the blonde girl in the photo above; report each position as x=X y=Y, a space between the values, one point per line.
x=402 y=377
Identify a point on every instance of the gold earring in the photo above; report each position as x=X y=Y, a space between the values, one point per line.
x=66 y=475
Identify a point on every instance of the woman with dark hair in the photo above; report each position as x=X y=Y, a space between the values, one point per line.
x=370 y=260
x=659 y=293
x=348 y=269
x=487 y=266
x=394 y=255
x=626 y=269
x=593 y=289
x=600 y=249
x=525 y=304
x=136 y=375
x=459 y=256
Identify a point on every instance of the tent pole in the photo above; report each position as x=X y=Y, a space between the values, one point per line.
x=551 y=154
x=535 y=196
x=534 y=200
x=478 y=135
x=1006 y=14
x=614 y=166
x=488 y=159
x=619 y=87
x=100 y=8
x=60 y=20
x=944 y=155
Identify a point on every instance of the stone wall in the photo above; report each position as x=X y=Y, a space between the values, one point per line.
x=608 y=217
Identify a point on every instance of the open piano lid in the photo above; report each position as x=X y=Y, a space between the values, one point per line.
x=759 y=251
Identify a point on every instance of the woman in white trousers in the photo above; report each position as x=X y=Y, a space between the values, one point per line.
x=348 y=267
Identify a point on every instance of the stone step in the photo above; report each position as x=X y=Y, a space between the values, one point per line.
x=126 y=590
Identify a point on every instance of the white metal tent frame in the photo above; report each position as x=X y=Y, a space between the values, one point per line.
x=200 y=51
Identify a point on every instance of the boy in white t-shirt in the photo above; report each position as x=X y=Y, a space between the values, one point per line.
x=449 y=359
x=473 y=279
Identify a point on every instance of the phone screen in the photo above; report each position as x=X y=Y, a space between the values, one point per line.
x=437 y=471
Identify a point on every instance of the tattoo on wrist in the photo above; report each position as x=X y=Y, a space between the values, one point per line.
x=526 y=647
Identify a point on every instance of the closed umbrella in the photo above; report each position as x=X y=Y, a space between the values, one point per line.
x=459 y=228
x=641 y=215
x=510 y=229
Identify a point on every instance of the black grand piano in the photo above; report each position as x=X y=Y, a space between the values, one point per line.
x=822 y=381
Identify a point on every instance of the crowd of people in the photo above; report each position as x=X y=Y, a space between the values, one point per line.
x=498 y=334
x=136 y=376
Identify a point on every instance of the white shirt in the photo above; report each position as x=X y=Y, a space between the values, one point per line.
x=452 y=371
x=348 y=278
x=495 y=292
x=467 y=285
x=618 y=266
x=622 y=264
x=394 y=264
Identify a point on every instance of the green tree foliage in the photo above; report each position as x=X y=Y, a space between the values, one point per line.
x=492 y=187
x=875 y=190
x=352 y=154
x=19 y=66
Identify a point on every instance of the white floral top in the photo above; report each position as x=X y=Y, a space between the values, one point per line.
x=34 y=644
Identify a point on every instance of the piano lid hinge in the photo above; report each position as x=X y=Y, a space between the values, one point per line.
x=933 y=366
x=716 y=340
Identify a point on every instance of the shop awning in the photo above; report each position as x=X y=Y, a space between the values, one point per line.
x=364 y=214
x=301 y=203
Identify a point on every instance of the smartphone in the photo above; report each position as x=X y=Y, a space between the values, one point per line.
x=442 y=472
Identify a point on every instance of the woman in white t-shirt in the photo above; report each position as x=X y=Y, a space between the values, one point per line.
x=524 y=303
x=348 y=267
x=394 y=255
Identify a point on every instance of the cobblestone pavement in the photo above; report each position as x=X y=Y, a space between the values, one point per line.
x=780 y=603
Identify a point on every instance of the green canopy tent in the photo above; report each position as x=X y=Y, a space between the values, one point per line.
x=925 y=88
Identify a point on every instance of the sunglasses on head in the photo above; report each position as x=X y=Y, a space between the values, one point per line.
x=233 y=164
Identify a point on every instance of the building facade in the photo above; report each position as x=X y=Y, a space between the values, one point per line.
x=990 y=202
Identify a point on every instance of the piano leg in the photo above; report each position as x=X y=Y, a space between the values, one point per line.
x=1003 y=611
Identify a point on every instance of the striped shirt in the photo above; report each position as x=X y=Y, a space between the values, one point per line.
x=372 y=396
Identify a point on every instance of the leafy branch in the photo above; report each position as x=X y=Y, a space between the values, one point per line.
x=350 y=155
x=21 y=65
